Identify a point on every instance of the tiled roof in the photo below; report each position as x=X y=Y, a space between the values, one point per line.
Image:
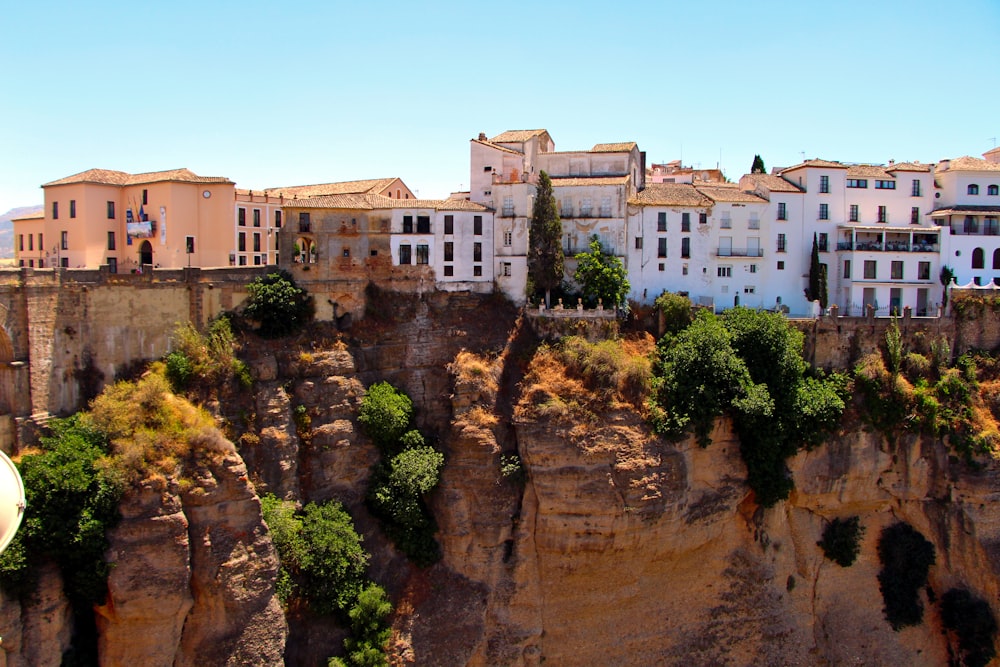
x=671 y=194
x=908 y=166
x=516 y=136
x=497 y=147
x=868 y=171
x=773 y=183
x=37 y=215
x=963 y=209
x=369 y=186
x=349 y=201
x=729 y=194
x=992 y=151
x=120 y=178
x=967 y=163
x=622 y=147
x=816 y=162
x=368 y=202
x=588 y=180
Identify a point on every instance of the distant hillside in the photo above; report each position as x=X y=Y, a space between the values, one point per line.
x=7 y=228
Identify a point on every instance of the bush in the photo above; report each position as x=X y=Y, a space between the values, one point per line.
x=972 y=621
x=278 y=305
x=205 y=360
x=369 y=631
x=842 y=540
x=385 y=415
x=906 y=557
x=322 y=560
x=601 y=276
x=676 y=311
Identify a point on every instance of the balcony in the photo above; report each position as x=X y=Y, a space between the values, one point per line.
x=507 y=212
x=739 y=252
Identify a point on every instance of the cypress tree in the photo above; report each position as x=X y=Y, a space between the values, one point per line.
x=545 y=253
x=817 y=290
x=758 y=165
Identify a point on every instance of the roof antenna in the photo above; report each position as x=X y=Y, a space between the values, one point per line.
x=803 y=154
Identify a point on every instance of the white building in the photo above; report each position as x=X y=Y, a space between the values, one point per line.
x=968 y=208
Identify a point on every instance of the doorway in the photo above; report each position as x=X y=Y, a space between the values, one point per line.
x=146 y=253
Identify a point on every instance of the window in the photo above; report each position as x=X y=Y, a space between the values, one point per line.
x=505 y=268
x=824 y=242
x=685 y=222
x=241 y=242
x=824 y=211
x=404 y=254
x=885 y=185
x=896 y=270
x=31 y=242
x=277 y=219
x=915 y=215
x=781 y=266
x=449 y=271
x=924 y=270
x=449 y=251
x=971 y=225
x=256 y=217
x=449 y=224
x=661 y=222
x=870 y=269
x=241 y=217
x=256 y=260
x=605 y=207
x=685 y=247
x=112 y=265
x=407 y=224
x=478 y=270
x=423 y=224
x=586 y=207
x=111 y=210
x=477 y=252
x=189 y=244
x=72 y=208
x=64 y=242
x=781 y=243
x=973 y=189
x=256 y=241
x=508 y=207
x=41 y=243
x=565 y=207
x=991 y=190
x=726 y=222
x=304 y=222
x=996 y=259
x=477 y=225
x=753 y=268
x=853 y=213
x=824 y=184
x=145 y=197
x=857 y=182
x=749 y=289
x=915 y=189
x=847 y=269
x=661 y=247
x=883 y=215
x=662 y=267
x=508 y=238
x=64 y=262
x=990 y=226
x=725 y=271
x=243 y=260
x=20 y=242
x=978 y=258
x=684 y=269
x=703 y=218
x=55 y=210
x=782 y=211
x=111 y=241
x=487 y=170
x=638 y=243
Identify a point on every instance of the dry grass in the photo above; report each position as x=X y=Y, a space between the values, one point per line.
x=476 y=375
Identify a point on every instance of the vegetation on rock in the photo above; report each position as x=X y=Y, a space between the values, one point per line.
x=675 y=310
x=370 y=631
x=842 y=540
x=974 y=625
x=906 y=558
x=602 y=276
x=204 y=360
x=278 y=305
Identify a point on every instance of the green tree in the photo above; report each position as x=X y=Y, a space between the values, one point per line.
x=758 y=165
x=906 y=558
x=396 y=496
x=545 y=253
x=675 y=311
x=817 y=277
x=278 y=305
x=385 y=415
x=947 y=276
x=369 y=630
x=601 y=275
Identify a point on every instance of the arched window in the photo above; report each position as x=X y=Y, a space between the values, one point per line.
x=977 y=258
x=973 y=189
x=397 y=194
x=390 y=194
x=993 y=190
x=996 y=258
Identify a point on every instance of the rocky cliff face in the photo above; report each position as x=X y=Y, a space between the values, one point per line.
x=612 y=546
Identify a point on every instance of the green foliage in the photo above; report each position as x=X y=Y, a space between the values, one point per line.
x=511 y=468
x=322 y=560
x=385 y=415
x=545 y=253
x=278 y=305
x=947 y=277
x=841 y=541
x=750 y=365
x=606 y=369
x=894 y=347
x=972 y=621
x=906 y=557
x=817 y=290
x=396 y=496
x=602 y=276
x=204 y=359
x=369 y=630
x=72 y=500
x=676 y=311
x=758 y=165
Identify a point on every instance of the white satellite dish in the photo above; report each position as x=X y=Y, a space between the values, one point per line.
x=12 y=500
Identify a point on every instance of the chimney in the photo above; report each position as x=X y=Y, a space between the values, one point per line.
x=482 y=136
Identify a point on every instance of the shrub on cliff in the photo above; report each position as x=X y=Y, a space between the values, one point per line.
x=974 y=625
x=906 y=558
x=385 y=415
x=842 y=540
x=369 y=630
x=278 y=305
x=675 y=310
x=601 y=276
x=205 y=359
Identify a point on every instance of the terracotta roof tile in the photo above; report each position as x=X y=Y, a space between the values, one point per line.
x=120 y=178
x=868 y=171
x=967 y=163
x=623 y=147
x=671 y=194
x=369 y=202
x=962 y=209
x=497 y=147
x=28 y=217
x=773 y=183
x=729 y=194
x=516 y=136
x=368 y=186
x=908 y=166
x=816 y=162
x=572 y=181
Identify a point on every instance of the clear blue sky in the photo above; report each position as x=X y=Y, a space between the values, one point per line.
x=290 y=93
